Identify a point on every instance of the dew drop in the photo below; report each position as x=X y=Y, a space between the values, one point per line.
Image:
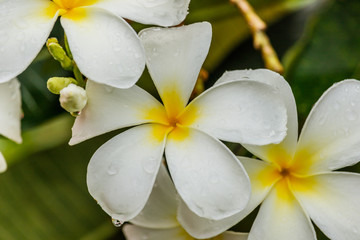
x=322 y=120
x=149 y=165
x=117 y=223
x=272 y=133
x=109 y=89
x=112 y=170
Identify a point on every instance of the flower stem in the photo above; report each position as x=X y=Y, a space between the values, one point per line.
x=261 y=41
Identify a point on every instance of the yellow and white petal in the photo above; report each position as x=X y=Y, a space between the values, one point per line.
x=330 y=138
x=205 y=172
x=105 y=47
x=10 y=110
x=3 y=165
x=230 y=235
x=122 y=172
x=161 y=207
x=111 y=108
x=333 y=204
x=284 y=91
x=240 y=111
x=158 y=12
x=24 y=28
x=174 y=57
x=262 y=178
x=281 y=217
x=133 y=232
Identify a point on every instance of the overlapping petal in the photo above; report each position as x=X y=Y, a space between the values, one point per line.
x=260 y=186
x=10 y=110
x=174 y=57
x=24 y=27
x=330 y=138
x=333 y=204
x=205 y=172
x=160 y=209
x=283 y=91
x=158 y=12
x=241 y=111
x=139 y=233
x=120 y=177
x=281 y=217
x=106 y=49
x=111 y=108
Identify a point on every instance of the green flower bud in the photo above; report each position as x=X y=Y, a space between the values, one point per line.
x=59 y=54
x=73 y=98
x=56 y=84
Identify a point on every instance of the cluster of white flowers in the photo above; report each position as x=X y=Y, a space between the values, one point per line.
x=170 y=175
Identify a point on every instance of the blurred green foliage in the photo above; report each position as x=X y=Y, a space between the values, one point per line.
x=43 y=195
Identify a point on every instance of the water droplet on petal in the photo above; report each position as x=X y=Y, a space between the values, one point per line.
x=322 y=119
x=112 y=170
x=117 y=223
x=150 y=165
x=351 y=115
x=109 y=89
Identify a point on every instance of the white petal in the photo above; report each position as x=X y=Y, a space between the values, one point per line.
x=158 y=12
x=139 y=233
x=201 y=228
x=284 y=91
x=122 y=172
x=205 y=172
x=174 y=57
x=24 y=27
x=111 y=108
x=10 y=110
x=160 y=209
x=3 y=165
x=330 y=138
x=105 y=47
x=240 y=111
x=333 y=204
x=280 y=218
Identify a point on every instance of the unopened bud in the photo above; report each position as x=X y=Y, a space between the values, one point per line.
x=56 y=84
x=73 y=98
x=59 y=53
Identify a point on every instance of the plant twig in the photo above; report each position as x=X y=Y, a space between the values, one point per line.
x=261 y=41
x=200 y=83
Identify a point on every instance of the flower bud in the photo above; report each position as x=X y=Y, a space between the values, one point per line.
x=59 y=54
x=73 y=98
x=56 y=84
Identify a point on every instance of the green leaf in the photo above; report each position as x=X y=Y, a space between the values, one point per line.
x=329 y=52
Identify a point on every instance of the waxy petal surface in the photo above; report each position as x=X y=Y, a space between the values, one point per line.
x=205 y=172
x=158 y=12
x=333 y=204
x=105 y=47
x=160 y=209
x=24 y=28
x=174 y=57
x=281 y=218
x=285 y=93
x=260 y=186
x=240 y=111
x=111 y=108
x=330 y=138
x=120 y=177
x=10 y=110
x=139 y=233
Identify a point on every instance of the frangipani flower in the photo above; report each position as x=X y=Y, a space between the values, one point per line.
x=10 y=114
x=122 y=172
x=104 y=46
x=296 y=181
x=157 y=221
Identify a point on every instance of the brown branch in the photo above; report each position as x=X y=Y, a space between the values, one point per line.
x=261 y=41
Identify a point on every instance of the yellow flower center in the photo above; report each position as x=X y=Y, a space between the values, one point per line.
x=287 y=172
x=70 y=8
x=172 y=117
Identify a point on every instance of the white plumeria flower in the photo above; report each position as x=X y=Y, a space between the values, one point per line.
x=122 y=172
x=104 y=46
x=296 y=182
x=10 y=114
x=158 y=218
